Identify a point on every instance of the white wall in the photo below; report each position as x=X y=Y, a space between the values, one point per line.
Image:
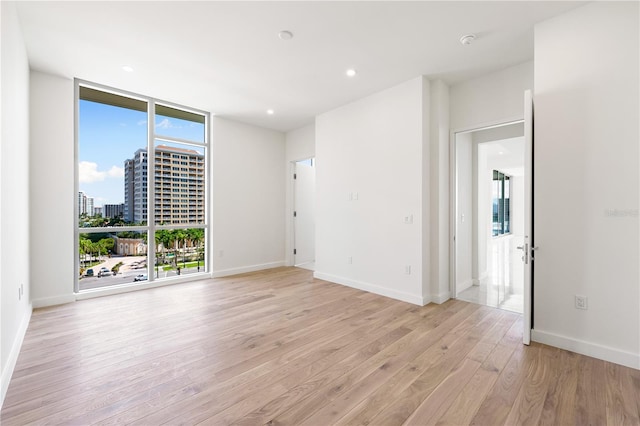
x=52 y=154
x=464 y=211
x=15 y=311
x=436 y=192
x=586 y=161
x=490 y=99
x=300 y=144
x=374 y=148
x=248 y=197
x=517 y=230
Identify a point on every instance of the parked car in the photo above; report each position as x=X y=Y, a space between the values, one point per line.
x=141 y=277
x=104 y=272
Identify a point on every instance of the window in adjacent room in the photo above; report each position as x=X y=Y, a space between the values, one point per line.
x=501 y=195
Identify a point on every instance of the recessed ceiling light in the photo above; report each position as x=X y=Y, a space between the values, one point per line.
x=270 y=112
x=467 y=39
x=285 y=35
x=351 y=72
x=127 y=68
x=501 y=153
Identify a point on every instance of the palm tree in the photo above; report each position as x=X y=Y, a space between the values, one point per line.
x=84 y=247
x=196 y=236
x=181 y=236
x=164 y=237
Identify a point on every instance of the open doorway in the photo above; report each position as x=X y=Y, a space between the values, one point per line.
x=489 y=216
x=304 y=225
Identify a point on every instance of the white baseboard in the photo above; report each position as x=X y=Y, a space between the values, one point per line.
x=441 y=297
x=7 y=372
x=464 y=285
x=606 y=353
x=245 y=269
x=372 y=288
x=52 y=301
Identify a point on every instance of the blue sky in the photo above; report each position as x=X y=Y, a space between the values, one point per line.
x=109 y=135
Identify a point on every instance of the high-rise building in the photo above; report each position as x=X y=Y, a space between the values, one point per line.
x=179 y=186
x=85 y=204
x=113 y=210
x=82 y=203
x=97 y=211
x=135 y=187
x=90 y=212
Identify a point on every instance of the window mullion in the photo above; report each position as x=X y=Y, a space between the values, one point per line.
x=151 y=202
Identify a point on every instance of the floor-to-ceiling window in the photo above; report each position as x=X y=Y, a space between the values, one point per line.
x=141 y=177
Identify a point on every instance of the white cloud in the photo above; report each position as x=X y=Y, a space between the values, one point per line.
x=167 y=124
x=115 y=172
x=164 y=124
x=88 y=172
x=142 y=122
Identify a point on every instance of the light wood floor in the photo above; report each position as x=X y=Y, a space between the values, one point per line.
x=281 y=348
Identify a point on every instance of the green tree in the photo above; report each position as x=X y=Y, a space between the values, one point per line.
x=105 y=245
x=165 y=238
x=84 y=247
x=181 y=237
x=196 y=236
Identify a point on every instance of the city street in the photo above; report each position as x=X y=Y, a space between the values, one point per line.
x=132 y=266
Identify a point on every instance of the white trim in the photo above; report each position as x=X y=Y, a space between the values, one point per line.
x=372 y=288
x=606 y=353
x=7 y=371
x=489 y=124
x=54 y=300
x=441 y=298
x=245 y=269
x=126 y=288
x=464 y=285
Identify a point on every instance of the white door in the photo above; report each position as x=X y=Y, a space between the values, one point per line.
x=528 y=247
x=304 y=213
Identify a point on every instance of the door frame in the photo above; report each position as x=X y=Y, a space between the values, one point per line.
x=453 y=194
x=290 y=258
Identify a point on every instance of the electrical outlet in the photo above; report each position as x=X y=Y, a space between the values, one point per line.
x=407 y=269
x=408 y=220
x=581 y=302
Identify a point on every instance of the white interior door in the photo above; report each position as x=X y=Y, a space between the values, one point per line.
x=304 y=213
x=528 y=247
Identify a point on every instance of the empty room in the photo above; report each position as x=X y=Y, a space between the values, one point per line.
x=320 y=213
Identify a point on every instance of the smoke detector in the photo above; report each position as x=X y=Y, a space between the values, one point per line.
x=467 y=39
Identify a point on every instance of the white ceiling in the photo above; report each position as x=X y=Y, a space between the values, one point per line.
x=226 y=57
x=507 y=155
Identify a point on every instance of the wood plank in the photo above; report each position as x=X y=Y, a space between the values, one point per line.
x=527 y=408
x=458 y=403
x=622 y=408
x=280 y=347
